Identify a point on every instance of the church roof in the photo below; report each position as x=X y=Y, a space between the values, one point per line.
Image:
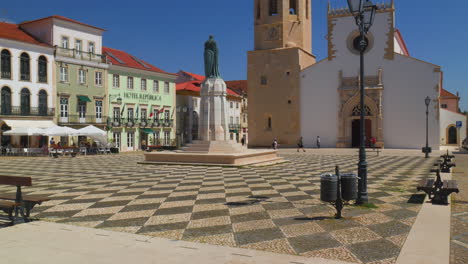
x=14 y=32
x=195 y=86
x=401 y=42
x=240 y=86
x=124 y=59
x=196 y=77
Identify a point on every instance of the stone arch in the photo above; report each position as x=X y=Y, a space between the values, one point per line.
x=451 y=135
x=348 y=114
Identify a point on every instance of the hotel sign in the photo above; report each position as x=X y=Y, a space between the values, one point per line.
x=142 y=97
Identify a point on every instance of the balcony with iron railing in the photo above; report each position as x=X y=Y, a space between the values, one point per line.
x=6 y=74
x=234 y=127
x=26 y=111
x=82 y=119
x=81 y=55
x=140 y=122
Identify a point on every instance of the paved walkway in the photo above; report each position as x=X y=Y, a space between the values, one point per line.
x=459 y=242
x=273 y=208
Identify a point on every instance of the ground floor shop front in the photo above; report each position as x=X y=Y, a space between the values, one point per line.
x=133 y=139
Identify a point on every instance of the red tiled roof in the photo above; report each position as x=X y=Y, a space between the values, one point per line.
x=197 y=77
x=195 y=86
x=446 y=93
x=127 y=60
x=62 y=18
x=14 y=32
x=239 y=86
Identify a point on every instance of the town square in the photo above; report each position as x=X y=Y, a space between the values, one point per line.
x=275 y=131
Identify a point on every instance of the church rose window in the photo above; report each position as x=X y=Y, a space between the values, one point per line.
x=357 y=111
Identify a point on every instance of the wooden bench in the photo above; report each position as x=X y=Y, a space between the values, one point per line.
x=17 y=202
x=438 y=190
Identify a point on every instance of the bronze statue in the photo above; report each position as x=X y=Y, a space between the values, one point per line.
x=211 y=59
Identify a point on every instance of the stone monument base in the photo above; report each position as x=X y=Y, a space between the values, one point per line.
x=198 y=155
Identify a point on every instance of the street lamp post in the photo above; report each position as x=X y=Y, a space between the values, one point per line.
x=364 y=13
x=427 y=149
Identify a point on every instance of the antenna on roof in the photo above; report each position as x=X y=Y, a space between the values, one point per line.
x=142 y=63
x=114 y=57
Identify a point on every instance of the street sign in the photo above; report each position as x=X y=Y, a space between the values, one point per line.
x=459 y=124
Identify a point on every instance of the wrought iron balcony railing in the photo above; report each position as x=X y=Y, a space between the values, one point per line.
x=140 y=122
x=26 y=111
x=6 y=74
x=234 y=126
x=80 y=119
x=81 y=55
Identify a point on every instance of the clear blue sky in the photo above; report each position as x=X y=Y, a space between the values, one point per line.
x=170 y=34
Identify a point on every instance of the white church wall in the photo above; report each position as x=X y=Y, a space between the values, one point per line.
x=448 y=118
x=319 y=101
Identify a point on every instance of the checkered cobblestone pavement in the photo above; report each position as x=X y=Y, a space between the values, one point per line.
x=274 y=208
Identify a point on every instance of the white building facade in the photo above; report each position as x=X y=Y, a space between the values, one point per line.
x=395 y=88
x=27 y=88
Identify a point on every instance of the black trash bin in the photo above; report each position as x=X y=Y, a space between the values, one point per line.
x=349 y=186
x=328 y=187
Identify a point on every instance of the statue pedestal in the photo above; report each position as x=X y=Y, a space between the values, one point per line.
x=213 y=122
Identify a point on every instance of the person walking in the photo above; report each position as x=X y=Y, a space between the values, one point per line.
x=275 y=144
x=243 y=140
x=373 y=142
x=318 y=142
x=300 y=145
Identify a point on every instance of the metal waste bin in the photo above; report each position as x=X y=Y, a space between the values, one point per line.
x=328 y=187
x=349 y=186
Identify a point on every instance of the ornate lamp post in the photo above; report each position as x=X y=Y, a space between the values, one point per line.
x=427 y=149
x=364 y=13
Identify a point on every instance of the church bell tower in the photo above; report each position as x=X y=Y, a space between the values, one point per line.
x=283 y=44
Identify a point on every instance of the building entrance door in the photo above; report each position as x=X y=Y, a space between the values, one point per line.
x=356 y=128
x=452 y=135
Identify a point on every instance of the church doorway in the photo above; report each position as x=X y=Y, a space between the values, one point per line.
x=356 y=128
x=452 y=136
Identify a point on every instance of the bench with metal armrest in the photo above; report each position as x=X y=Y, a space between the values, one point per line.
x=438 y=190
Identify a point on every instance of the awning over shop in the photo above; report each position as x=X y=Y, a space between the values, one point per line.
x=28 y=123
x=83 y=98
x=147 y=130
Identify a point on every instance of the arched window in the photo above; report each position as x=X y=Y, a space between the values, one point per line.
x=273 y=8
x=293 y=7
x=452 y=135
x=6 y=101
x=6 y=64
x=42 y=103
x=42 y=69
x=25 y=101
x=25 y=70
x=357 y=111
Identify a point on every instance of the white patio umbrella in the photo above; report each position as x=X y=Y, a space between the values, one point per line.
x=58 y=131
x=25 y=131
x=93 y=132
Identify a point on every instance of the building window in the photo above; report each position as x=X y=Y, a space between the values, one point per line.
x=116 y=113
x=98 y=78
x=143 y=84
x=25 y=102
x=263 y=80
x=63 y=74
x=42 y=69
x=78 y=46
x=91 y=47
x=237 y=120
x=244 y=118
x=166 y=87
x=156 y=86
x=443 y=106
x=42 y=103
x=130 y=139
x=237 y=105
x=116 y=139
x=98 y=109
x=116 y=81
x=269 y=123
x=293 y=7
x=129 y=82
x=82 y=109
x=6 y=101
x=166 y=115
x=63 y=107
x=6 y=64
x=156 y=138
x=231 y=120
x=259 y=12
x=65 y=42
x=231 y=104
x=82 y=76
x=143 y=114
x=273 y=8
x=130 y=114
x=167 y=138
x=25 y=67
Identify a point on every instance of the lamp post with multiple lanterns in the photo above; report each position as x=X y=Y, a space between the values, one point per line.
x=364 y=13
